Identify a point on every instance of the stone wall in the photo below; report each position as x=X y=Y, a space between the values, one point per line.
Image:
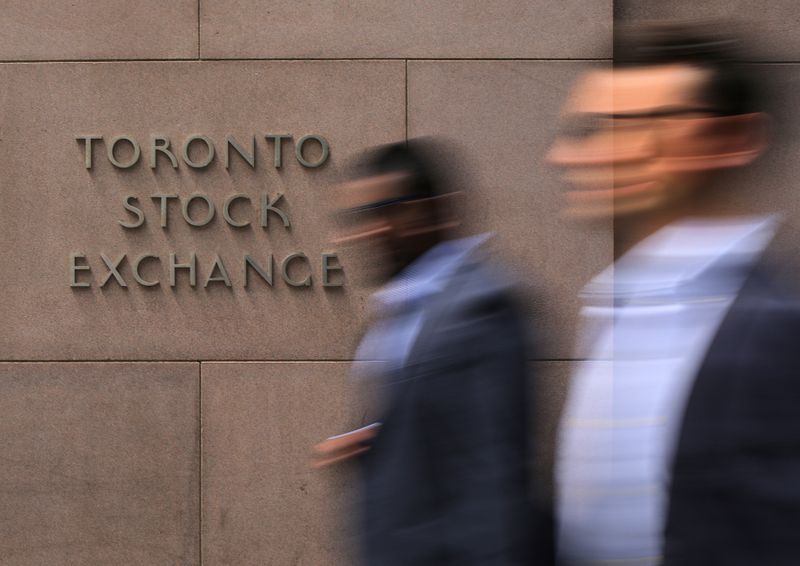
x=171 y=425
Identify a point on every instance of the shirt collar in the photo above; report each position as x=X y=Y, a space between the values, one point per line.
x=699 y=252
x=429 y=273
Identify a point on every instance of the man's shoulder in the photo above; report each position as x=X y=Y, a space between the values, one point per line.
x=761 y=329
x=766 y=299
x=480 y=281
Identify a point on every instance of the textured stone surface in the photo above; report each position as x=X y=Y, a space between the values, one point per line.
x=99 y=463
x=112 y=29
x=261 y=502
x=53 y=206
x=407 y=28
x=772 y=26
x=502 y=117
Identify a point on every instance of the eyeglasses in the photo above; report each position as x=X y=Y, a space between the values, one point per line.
x=372 y=210
x=584 y=125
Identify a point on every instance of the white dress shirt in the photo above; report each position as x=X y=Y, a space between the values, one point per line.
x=648 y=322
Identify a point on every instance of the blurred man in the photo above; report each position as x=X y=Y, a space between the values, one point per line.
x=680 y=441
x=446 y=469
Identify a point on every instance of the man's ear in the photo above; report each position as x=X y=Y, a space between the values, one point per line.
x=741 y=139
x=724 y=142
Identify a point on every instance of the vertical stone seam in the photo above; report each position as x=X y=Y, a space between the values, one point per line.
x=613 y=43
x=200 y=462
x=406 y=100
x=198 y=31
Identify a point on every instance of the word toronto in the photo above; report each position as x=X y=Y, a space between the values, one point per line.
x=161 y=145
x=295 y=268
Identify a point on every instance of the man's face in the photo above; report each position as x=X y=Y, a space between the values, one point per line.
x=637 y=139
x=377 y=215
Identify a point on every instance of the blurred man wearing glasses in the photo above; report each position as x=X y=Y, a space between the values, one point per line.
x=680 y=441
x=445 y=468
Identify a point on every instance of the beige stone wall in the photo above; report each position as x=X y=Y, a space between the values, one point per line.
x=172 y=425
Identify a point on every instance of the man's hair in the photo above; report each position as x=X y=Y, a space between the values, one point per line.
x=731 y=89
x=413 y=157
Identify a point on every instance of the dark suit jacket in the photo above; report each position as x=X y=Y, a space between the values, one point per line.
x=446 y=480
x=735 y=491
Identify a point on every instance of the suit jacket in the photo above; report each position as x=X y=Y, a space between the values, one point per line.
x=735 y=489
x=446 y=479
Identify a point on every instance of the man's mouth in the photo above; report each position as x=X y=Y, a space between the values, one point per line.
x=590 y=195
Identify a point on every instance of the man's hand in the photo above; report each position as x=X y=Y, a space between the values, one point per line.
x=344 y=447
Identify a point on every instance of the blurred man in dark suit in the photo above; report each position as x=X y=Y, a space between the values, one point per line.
x=445 y=468
x=680 y=441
